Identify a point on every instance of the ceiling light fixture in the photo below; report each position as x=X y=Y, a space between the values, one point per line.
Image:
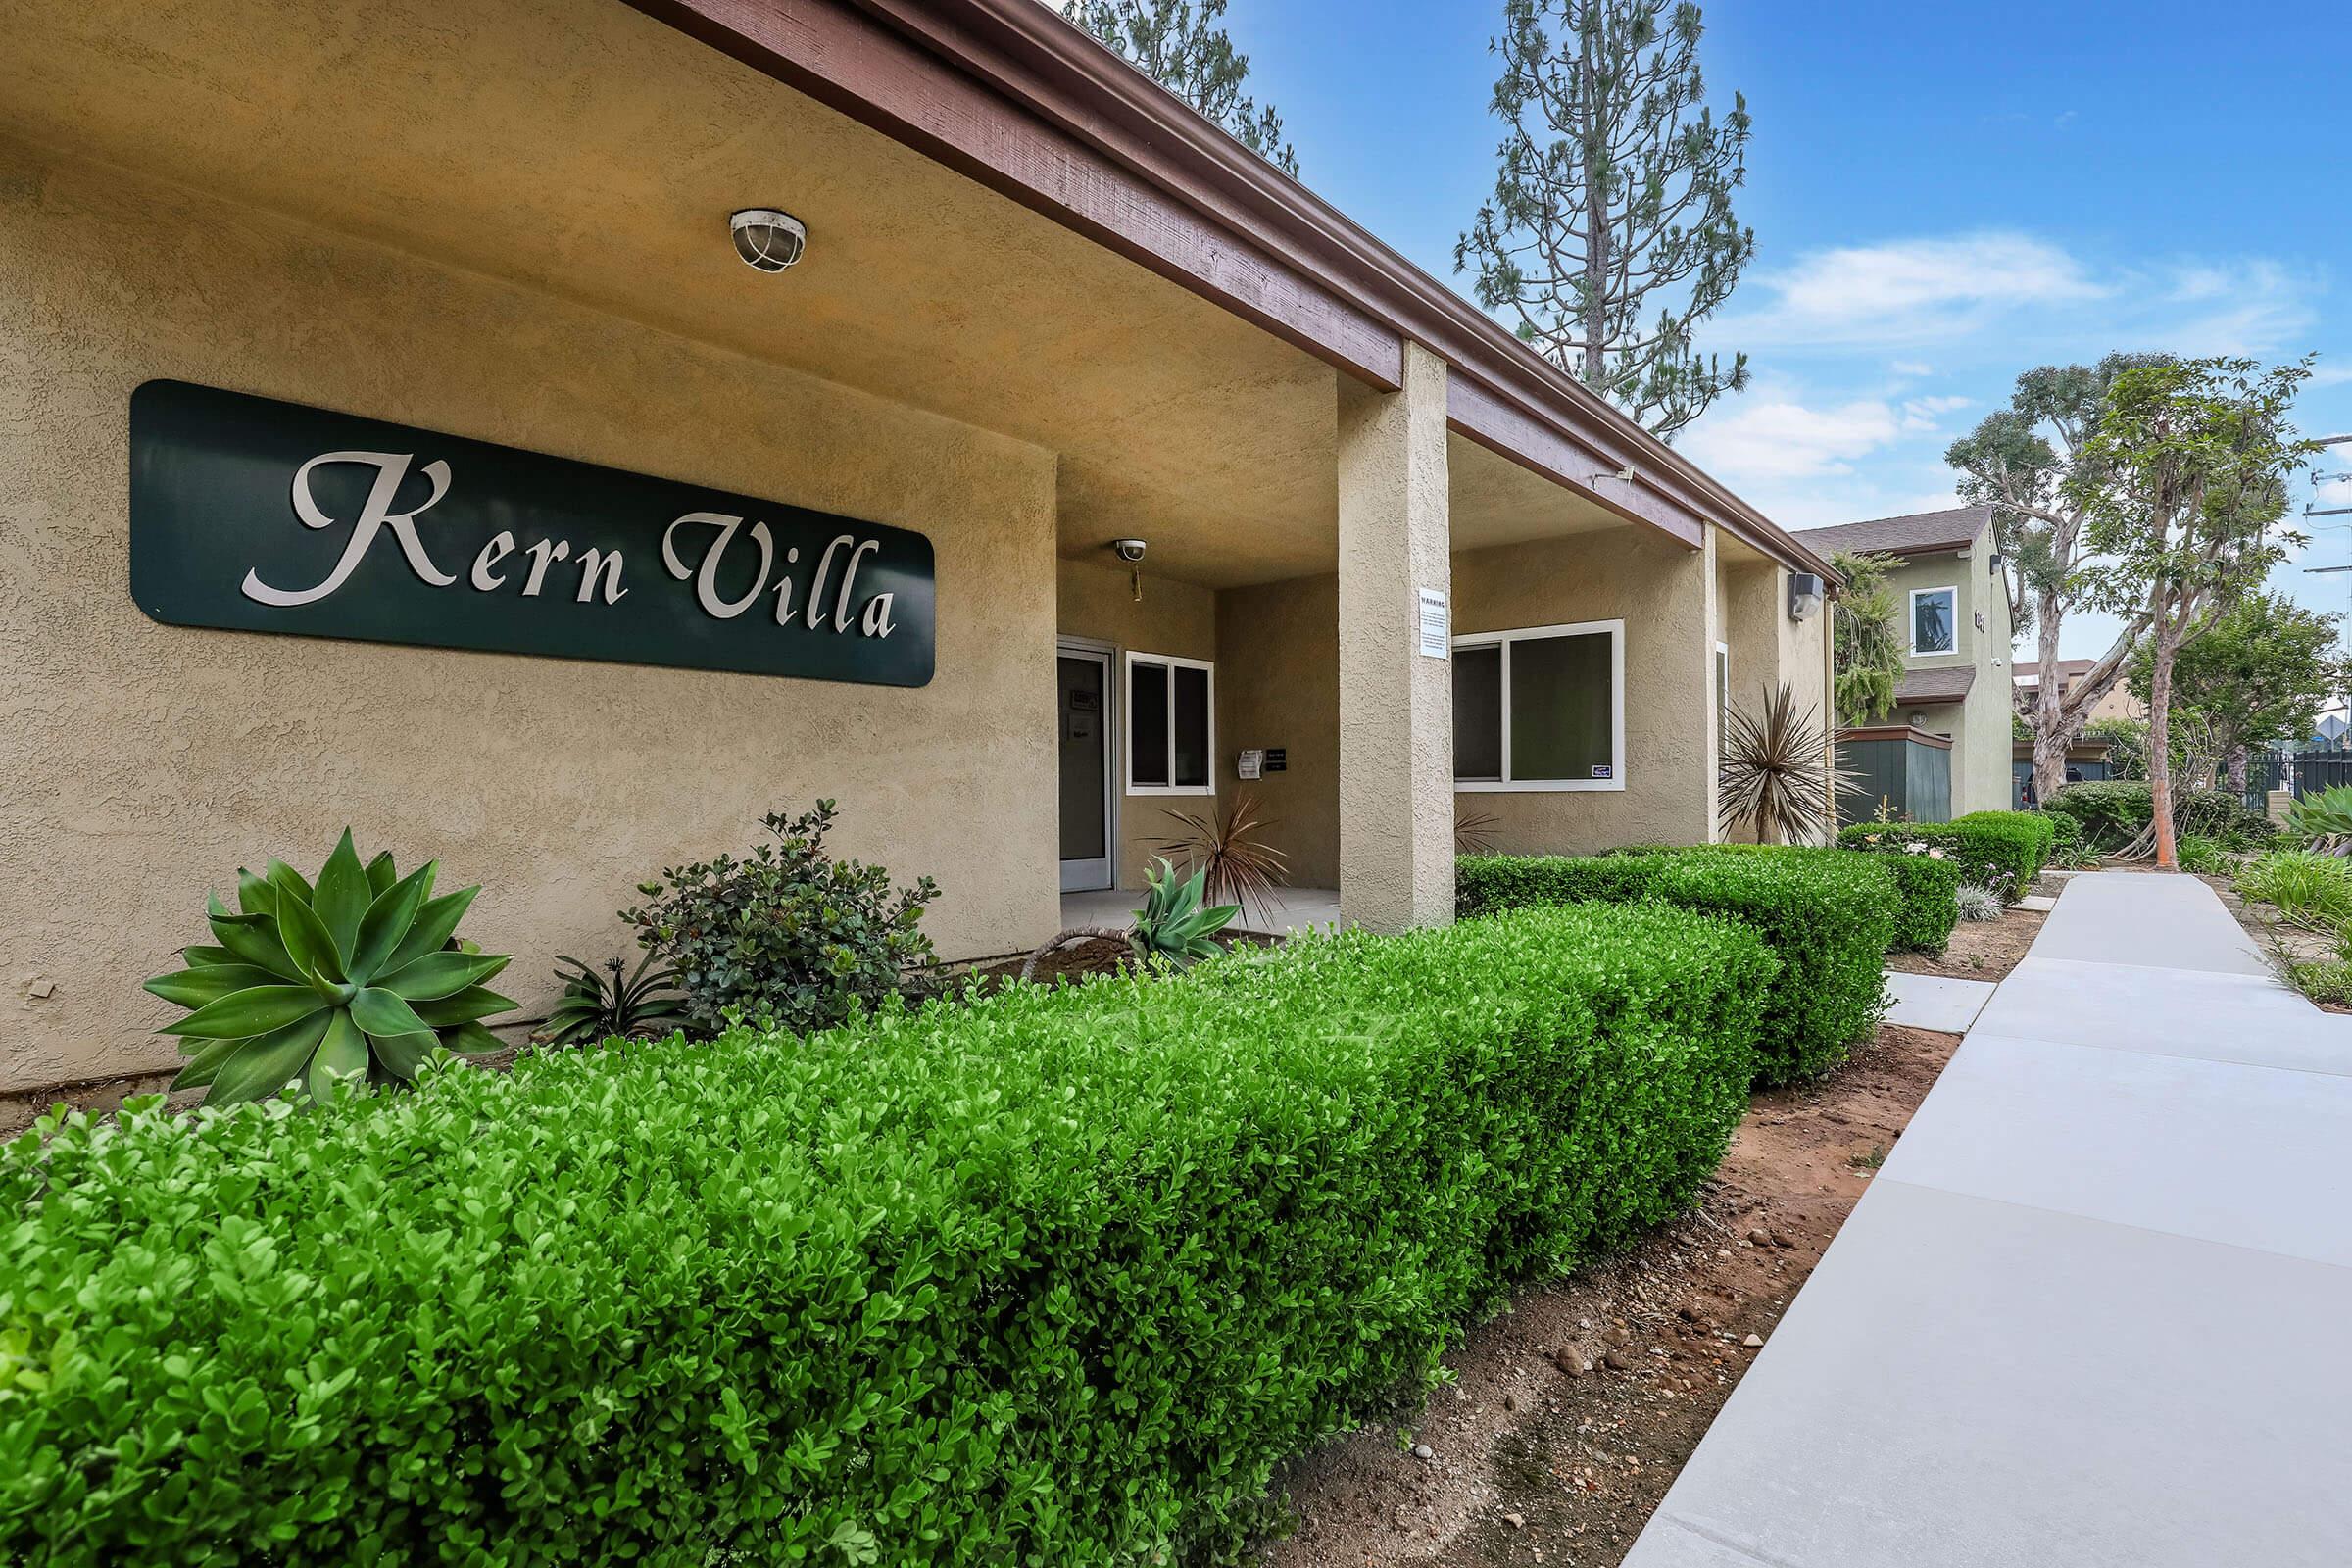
x=768 y=240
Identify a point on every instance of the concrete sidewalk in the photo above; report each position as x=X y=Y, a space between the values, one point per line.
x=2097 y=1306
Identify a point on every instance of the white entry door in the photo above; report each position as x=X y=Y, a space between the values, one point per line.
x=1086 y=766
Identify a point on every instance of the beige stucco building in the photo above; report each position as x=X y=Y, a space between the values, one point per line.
x=1954 y=608
x=1042 y=309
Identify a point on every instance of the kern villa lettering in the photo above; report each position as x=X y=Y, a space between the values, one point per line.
x=252 y=514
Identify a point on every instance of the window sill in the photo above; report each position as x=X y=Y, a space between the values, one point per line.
x=1172 y=789
x=1554 y=786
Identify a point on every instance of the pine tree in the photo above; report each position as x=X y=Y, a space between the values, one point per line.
x=1614 y=188
x=1179 y=44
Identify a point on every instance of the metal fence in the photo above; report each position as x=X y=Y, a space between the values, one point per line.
x=2303 y=769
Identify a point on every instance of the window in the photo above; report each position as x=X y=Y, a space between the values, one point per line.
x=1171 y=724
x=1935 y=620
x=1541 y=708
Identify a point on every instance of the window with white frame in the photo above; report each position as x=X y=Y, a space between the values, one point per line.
x=1935 y=620
x=1171 y=724
x=1541 y=708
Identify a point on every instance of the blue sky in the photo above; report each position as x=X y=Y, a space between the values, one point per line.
x=1942 y=196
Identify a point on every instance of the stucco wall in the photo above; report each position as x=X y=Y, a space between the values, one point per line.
x=1278 y=684
x=145 y=763
x=1178 y=618
x=1978 y=726
x=1659 y=590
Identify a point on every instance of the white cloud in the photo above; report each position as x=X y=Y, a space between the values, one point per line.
x=1910 y=290
x=1911 y=369
x=1920 y=415
x=1765 y=437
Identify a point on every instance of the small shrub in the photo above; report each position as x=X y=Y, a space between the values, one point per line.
x=1979 y=903
x=1050 y=1276
x=2112 y=813
x=2003 y=851
x=1827 y=917
x=359 y=976
x=788 y=938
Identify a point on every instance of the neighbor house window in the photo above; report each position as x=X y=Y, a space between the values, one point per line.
x=1935 y=620
x=1171 y=724
x=1541 y=708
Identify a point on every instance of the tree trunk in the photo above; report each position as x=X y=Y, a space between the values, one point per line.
x=1594 y=136
x=2051 y=736
x=2160 y=749
x=2239 y=756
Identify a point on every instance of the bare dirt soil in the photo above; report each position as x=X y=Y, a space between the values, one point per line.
x=1570 y=1414
x=1980 y=950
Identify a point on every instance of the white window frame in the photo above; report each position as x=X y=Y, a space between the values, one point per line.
x=1916 y=594
x=1127 y=725
x=1507 y=785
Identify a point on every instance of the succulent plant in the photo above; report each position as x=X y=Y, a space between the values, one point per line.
x=357 y=976
x=594 y=1008
x=1173 y=923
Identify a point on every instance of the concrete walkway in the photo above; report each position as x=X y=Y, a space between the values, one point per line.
x=1936 y=1002
x=2097 y=1306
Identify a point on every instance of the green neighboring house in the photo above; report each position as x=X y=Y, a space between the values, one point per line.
x=1942 y=750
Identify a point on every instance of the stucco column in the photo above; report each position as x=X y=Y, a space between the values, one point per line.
x=1395 y=702
x=1715 y=631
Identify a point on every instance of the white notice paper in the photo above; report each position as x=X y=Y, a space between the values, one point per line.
x=1437 y=629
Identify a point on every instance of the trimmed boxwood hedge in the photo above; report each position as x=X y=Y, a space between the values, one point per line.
x=1928 y=889
x=1827 y=917
x=2002 y=851
x=1043 y=1277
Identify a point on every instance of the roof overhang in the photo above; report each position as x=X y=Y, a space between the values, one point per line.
x=1010 y=95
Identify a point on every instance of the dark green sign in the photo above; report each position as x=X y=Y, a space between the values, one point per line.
x=261 y=515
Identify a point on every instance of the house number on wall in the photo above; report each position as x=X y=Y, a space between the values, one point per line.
x=259 y=515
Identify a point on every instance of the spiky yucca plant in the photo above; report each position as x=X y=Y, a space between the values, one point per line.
x=1776 y=773
x=357 y=975
x=1229 y=848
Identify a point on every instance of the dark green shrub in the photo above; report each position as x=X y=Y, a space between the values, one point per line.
x=2002 y=851
x=2112 y=812
x=2115 y=812
x=788 y=937
x=1051 y=1276
x=2066 y=831
x=1827 y=917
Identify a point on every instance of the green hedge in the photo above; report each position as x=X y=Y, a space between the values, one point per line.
x=1829 y=918
x=1045 y=1277
x=2002 y=851
x=1928 y=889
x=2114 y=811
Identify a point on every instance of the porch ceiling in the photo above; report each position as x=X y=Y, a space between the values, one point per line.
x=580 y=148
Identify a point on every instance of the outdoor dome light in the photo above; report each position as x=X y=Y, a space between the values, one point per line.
x=768 y=240
x=1804 y=595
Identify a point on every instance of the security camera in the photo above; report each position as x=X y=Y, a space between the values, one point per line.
x=1130 y=550
x=768 y=240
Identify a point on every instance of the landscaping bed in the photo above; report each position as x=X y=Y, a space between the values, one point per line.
x=1979 y=949
x=1530 y=1464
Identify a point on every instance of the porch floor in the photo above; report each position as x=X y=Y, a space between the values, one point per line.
x=1293 y=909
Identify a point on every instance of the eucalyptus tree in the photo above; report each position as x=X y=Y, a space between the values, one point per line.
x=2182 y=486
x=1612 y=198
x=1179 y=44
x=2026 y=461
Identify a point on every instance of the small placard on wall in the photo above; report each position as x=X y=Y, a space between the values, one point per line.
x=1437 y=627
x=1251 y=764
x=1278 y=758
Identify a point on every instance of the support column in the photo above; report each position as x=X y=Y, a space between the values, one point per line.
x=1396 y=703
x=1716 y=632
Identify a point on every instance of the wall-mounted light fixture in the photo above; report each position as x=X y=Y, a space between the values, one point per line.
x=768 y=240
x=1804 y=595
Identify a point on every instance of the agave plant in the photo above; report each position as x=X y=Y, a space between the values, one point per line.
x=1174 y=923
x=2324 y=818
x=594 y=1008
x=355 y=976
